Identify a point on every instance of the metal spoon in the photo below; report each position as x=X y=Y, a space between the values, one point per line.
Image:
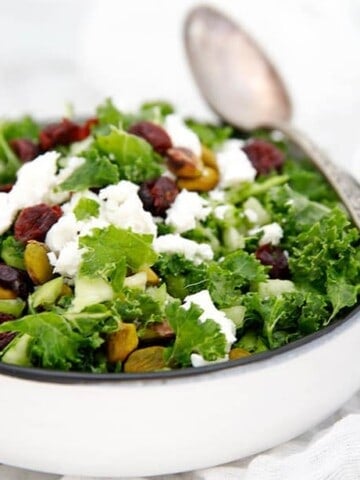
x=241 y=85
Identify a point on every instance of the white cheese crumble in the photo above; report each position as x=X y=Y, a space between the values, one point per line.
x=122 y=207
x=234 y=166
x=227 y=326
x=187 y=208
x=72 y=164
x=34 y=182
x=68 y=261
x=119 y=205
x=221 y=210
x=174 y=243
x=217 y=195
x=199 y=361
x=272 y=233
x=181 y=135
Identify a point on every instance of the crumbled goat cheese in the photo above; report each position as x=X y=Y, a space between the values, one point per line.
x=72 y=164
x=251 y=215
x=174 y=243
x=227 y=326
x=34 y=182
x=232 y=144
x=65 y=230
x=234 y=166
x=68 y=261
x=199 y=361
x=221 y=210
x=187 y=208
x=122 y=207
x=217 y=195
x=272 y=233
x=181 y=135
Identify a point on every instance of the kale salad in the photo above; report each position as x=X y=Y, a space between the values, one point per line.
x=146 y=242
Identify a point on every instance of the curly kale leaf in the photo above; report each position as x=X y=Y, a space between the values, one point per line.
x=97 y=171
x=134 y=157
x=212 y=136
x=193 y=335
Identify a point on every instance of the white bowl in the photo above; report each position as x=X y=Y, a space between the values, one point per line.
x=166 y=422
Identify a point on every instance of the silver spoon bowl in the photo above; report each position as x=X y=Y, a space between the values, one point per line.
x=242 y=87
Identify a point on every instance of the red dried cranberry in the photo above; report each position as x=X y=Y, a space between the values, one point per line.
x=264 y=156
x=14 y=279
x=33 y=223
x=153 y=134
x=6 y=188
x=157 y=195
x=275 y=258
x=25 y=149
x=5 y=339
x=64 y=133
x=5 y=317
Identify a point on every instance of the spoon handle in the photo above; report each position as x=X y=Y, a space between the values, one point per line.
x=343 y=183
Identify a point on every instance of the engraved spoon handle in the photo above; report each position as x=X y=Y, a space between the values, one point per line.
x=343 y=183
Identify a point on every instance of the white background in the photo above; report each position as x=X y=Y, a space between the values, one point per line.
x=53 y=51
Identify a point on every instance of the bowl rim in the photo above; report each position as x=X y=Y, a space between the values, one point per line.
x=73 y=377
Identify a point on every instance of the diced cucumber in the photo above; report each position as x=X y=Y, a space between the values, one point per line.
x=138 y=280
x=17 y=352
x=275 y=287
x=89 y=291
x=233 y=240
x=254 y=205
x=14 y=306
x=47 y=294
x=236 y=314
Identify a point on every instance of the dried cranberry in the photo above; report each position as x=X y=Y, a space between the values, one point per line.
x=64 y=133
x=5 y=317
x=5 y=339
x=275 y=258
x=14 y=279
x=157 y=195
x=25 y=149
x=6 y=188
x=153 y=134
x=33 y=223
x=264 y=156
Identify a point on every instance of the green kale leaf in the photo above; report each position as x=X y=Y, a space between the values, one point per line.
x=181 y=276
x=25 y=127
x=134 y=157
x=134 y=305
x=108 y=114
x=110 y=251
x=97 y=171
x=212 y=136
x=193 y=336
x=9 y=163
x=54 y=344
x=233 y=276
x=86 y=208
x=12 y=252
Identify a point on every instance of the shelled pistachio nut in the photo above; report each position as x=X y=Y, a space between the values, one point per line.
x=37 y=263
x=183 y=162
